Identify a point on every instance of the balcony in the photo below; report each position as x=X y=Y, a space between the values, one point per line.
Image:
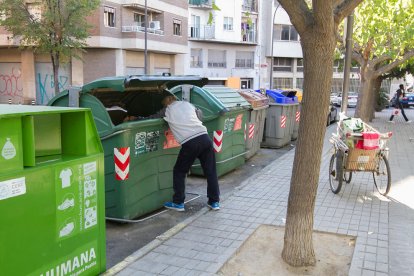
x=140 y=29
x=201 y=4
x=198 y=32
x=248 y=37
x=249 y=6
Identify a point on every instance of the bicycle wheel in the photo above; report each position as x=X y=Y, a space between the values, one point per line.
x=347 y=177
x=382 y=176
x=336 y=172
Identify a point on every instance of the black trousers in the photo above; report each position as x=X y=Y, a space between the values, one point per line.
x=200 y=147
x=402 y=112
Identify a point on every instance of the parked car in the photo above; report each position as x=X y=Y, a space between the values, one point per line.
x=406 y=101
x=352 y=99
x=334 y=98
x=332 y=115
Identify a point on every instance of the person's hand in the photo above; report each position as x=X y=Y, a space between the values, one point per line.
x=130 y=118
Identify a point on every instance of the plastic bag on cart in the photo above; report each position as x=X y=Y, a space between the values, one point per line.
x=350 y=126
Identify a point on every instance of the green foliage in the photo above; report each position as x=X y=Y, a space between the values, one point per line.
x=388 y=24
x=57 y=27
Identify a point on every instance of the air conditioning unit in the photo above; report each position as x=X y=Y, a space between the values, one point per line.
x=155 y=25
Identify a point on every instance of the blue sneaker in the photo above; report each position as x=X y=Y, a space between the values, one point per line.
x=214 y=206
x=175 y=206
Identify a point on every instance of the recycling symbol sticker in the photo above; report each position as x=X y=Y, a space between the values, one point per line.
x=8 y=151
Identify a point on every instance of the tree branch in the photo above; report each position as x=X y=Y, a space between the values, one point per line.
x=380 y=59
x=386 y=68
x=344 y=9
x=357 y=57
x=299 y=14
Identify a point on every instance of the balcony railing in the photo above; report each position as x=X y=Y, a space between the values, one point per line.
x=140 y=29
x=248 y=37
x=205 y=32
x=202 y=4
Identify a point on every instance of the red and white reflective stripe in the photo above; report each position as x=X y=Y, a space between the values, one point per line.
x=121 y=160
x=283 y=121
x=251 y=131
x=245 y=129
x=217 y=140
x=297 y=116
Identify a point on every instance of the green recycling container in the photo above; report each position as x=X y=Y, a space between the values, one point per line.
x=51 y=192
x=139 y=155
x=226 y=123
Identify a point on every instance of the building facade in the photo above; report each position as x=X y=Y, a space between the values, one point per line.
x=116 y=47
x=226 y=49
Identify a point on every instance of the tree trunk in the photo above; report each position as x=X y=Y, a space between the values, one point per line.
x=365 y=108
x=376 y=87
x=298 y=246
x=55 y=65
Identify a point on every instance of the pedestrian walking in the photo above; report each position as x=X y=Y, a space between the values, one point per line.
x=400 y=93
x=189 y=131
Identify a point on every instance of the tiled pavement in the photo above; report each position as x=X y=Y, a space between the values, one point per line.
x=383 y=226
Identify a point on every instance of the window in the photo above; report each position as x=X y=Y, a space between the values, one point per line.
x=217 y=59
x=109 y=17
x=244 y=59
x=282 y=83
x=282 y=64
x=299 y=83
x=285 y=32
x=228 y=24
x=139 y=19
x=35 y=11
x=196 y=58
x=299 y=65
x=246 y=83
x=195 y=26
x=177 y=27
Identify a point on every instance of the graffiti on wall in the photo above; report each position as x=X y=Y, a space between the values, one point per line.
x=11 y=87
x=45 y=84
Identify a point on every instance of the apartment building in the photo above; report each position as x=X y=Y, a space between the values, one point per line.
x=226 y=49
x=116 y=47
x=282 y=44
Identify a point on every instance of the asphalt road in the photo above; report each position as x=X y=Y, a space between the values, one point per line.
x=122 y=239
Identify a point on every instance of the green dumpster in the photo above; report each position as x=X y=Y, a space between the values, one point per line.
x=226 y=123
x=51 y=192
x=139 y=155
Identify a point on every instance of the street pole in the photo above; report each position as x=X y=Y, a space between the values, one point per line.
x=271 y=55
x=347 y=65
x=145 y=39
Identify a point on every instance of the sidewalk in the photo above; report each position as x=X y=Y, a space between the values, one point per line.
x=383 y=226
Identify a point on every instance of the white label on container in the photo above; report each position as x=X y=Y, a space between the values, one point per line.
x=363 y=159
x=12 y=188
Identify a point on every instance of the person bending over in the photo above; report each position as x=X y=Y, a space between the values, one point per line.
x=189 y=131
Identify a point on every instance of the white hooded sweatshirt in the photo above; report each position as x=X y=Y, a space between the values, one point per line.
x=183 y=121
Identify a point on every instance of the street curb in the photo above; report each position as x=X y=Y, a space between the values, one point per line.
x=153 y=244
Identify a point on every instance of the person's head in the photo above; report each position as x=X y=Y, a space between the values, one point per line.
x=166 y=101
x=401 y=86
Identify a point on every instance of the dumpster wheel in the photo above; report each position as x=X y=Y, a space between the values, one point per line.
x=151 y=216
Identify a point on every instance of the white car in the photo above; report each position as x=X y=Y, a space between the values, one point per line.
x=352 y=99
x=334 y=98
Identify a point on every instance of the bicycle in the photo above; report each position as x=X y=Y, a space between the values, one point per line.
x=350 y=156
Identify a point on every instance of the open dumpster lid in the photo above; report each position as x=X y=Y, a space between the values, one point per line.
x=141 y=82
